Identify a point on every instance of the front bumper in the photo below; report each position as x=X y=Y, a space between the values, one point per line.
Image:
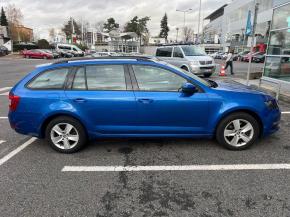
x=271 y=122
x=203 y=69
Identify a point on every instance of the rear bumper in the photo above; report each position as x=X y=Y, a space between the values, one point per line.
x=25 y=123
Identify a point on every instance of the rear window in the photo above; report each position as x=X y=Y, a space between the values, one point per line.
x=164 y=52
x=52 y=79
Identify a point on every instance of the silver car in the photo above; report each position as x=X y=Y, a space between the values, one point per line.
x=188 y=57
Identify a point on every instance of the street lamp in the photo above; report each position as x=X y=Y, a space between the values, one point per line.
x=184 y=11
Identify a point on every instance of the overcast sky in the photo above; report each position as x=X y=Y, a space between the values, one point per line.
x=42 y=15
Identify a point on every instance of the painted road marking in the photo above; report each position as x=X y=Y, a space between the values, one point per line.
x=176 y=168
x=4 y=94
x=16 y=151
x=285 y=113
x=2 y=141
x=3 y=117
x=5 y=88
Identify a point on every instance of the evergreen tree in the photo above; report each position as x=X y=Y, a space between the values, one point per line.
x=164 y=27
x=3 y=19
x=110 y=25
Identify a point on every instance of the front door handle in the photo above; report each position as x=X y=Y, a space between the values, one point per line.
x=145 y=101
x=80 y=100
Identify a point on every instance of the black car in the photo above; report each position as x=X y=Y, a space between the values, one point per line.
x=65 y=53
x=260 y=58
x=3 y=51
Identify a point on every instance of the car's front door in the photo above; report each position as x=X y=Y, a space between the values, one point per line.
x=103 y=96
x=162 y=108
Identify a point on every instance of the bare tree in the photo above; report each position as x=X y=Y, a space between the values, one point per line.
x=99 y=26
x=14 y=17
x=187 y=34
x=51 y=33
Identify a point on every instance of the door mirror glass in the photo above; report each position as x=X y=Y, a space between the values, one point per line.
x=189 y=88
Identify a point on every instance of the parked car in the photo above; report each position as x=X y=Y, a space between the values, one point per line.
x=40 y=54
x=259 y=58
x=246 y=57
x=3 y=51
x=240 y=55
x=217 y=55
x=187 y=57
x=77 y=52
x=71 y=102
x=64 y=53
x=53 y=53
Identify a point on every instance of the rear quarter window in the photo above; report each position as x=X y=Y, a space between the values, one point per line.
x=164 y=52
x=51 y=79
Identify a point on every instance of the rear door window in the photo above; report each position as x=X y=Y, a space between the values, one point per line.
x=52 y=79
x=106 y=77
x=164 y=52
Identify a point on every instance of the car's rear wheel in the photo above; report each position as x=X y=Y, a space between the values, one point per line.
x=65 y=135
x=238 y=131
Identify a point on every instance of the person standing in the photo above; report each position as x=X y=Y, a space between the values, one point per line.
x=229 y=61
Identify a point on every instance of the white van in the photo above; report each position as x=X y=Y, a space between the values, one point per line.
x=188 y=57
x=71 y=48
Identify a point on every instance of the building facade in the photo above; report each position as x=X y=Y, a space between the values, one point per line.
x=277 y=64
x=234 y=24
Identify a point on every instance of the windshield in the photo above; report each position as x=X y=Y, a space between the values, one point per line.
x=189 y=74
x=190 y=50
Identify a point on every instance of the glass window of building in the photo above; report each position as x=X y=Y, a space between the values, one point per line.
x=277 y=64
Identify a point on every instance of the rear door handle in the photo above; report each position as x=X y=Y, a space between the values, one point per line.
x=80 y=100
x=145 y=101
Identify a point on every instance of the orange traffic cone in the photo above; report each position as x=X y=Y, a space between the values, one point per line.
x=223 y=71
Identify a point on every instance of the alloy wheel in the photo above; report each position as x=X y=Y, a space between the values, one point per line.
x=64 y=136
x=238 y=132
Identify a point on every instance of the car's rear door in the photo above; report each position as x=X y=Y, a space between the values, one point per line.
x=103 y=96
x=162 y=108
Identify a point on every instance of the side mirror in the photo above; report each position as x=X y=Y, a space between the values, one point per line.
x=188 y=88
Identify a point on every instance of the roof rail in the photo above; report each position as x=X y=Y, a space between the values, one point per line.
x=137 y=58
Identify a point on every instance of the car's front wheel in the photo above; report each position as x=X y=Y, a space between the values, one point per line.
x=65 y=135
x=238 y=131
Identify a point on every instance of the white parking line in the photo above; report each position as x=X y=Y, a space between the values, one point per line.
x=285 y=113
x=5 y=88
x=4 y=94
x=176 y=168
x=3 y=117
x=2 y=141
x=16 y=151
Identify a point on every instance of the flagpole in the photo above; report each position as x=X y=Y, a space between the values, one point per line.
x=252 y=41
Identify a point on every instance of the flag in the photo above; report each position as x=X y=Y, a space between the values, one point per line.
x=249 y=25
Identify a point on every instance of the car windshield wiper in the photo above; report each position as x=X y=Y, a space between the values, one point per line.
x=212 y=83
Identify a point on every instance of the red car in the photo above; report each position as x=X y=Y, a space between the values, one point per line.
x=246 y=58
x=40 y=54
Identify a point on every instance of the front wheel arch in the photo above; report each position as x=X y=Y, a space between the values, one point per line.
x=252 y=113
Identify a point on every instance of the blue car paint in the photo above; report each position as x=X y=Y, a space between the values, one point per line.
x=120 y=113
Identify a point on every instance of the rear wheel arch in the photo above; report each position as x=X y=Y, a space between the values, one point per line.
x=52 y=117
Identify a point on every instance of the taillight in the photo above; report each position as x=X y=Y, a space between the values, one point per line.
x=14 y=100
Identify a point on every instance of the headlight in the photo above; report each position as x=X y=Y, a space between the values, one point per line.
x=271 y=104
x=194 y=62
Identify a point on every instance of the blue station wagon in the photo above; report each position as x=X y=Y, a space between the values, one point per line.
x=71 y=102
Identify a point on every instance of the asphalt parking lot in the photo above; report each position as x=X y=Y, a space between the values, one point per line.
x=183 y=177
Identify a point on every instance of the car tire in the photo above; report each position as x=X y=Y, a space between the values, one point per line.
x=45 y=57
x=26 y=56
x=65 y=135
x=207 y=75
x=185 y=68
x=238 y=131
